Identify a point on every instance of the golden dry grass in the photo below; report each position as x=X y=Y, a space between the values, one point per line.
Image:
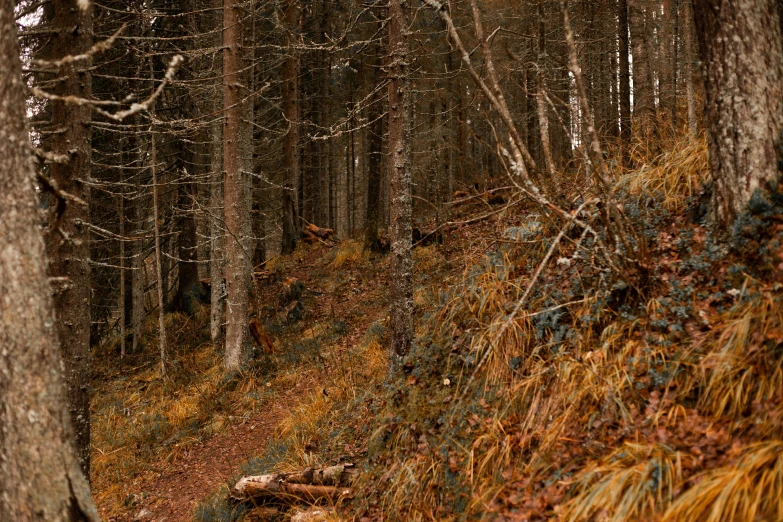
x=635 y=482
x=349 y=253
x=750 y=489
x=673 y=175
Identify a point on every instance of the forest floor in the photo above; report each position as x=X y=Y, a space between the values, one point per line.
x=545 y=381
x=162 y=445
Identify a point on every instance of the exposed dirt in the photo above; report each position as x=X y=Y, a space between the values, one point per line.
x=173 y=495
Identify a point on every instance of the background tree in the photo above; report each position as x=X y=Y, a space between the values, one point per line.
x=68 y=240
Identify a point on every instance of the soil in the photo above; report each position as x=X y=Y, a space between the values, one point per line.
x=171 y=494
x=174 y=494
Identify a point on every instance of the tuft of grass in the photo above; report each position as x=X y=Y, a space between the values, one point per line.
x=743 y=361
x=672 y=176
x=635 y=482
x=428 y=259
x=349 y=253
x=750 y=489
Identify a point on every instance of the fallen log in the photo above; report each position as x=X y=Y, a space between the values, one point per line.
x=309 y=485
x=313 y=234
x=314 y=514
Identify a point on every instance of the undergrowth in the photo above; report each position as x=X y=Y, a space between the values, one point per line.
x=658 y=397
x=649 y=394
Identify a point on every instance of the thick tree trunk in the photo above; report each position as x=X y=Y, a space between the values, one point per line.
x=138 y=280
x=68 y=248
x=236 y=200
x=643 y=90
x=400 y=188
x=740 y=45
x=290 y=199
x=40 y=478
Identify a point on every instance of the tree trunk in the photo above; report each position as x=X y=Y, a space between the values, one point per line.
x=161 y=286
x=666 y=65
x=740 y=45
x=643 y=91
x=688 y=44
x=40 y=478
x=235 y=206
x=187 y=244
x=217 y=230
x=400 y=189
x=374 y=155
x=625 y=78
x=68 y=248
x=290 y=199
x=543 y=118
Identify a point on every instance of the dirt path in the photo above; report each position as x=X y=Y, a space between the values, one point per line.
x=179 y=486
x=174 y=494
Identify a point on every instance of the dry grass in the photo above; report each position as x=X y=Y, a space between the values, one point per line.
x=741 y=368
x=634 y=482
x=139 y=418
x=751 y=489
x=428 y=259
x=349 y=253
x=625 y=380
x=673 y=175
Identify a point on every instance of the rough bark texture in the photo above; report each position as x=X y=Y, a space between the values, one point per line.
x=218 y=237
x=643 y=90
x=68 y=242
x=401 y=313
x=217 y=231
x=40 y=478
x=235 y=208
x=290 y=199
x=740 y=45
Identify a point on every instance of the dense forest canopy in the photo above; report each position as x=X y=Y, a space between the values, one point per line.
x=533 y=229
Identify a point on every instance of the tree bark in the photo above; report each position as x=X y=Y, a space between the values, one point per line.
x=625 y=79
x=688 y=56
x=740 y=45
x=374 y=154
x=290 y=198
x=401 y=313
x=235 y=207
x=543 y=118
x=187 y=244
x=40 y=478
x=68 y=243
x=217 y=230
x=643 y=91
x=666 y=64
